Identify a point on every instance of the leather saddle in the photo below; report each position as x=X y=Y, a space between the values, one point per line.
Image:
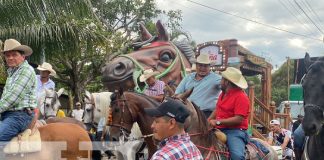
x=26 y=141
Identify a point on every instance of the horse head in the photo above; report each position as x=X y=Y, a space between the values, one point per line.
x=49 y=102
x=154 y=52
x=96 y=106
x=313 y=85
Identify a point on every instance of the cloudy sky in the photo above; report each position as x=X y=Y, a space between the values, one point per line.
x=207 y=24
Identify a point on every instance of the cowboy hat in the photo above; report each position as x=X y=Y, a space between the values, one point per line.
x=46 y=67
x=147 y=74
x=235 y=76
x=14 y=45
x=274 y=122
x=203 y=59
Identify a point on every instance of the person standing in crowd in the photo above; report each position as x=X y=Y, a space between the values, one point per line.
x=19 y=96
x=280 y=137
x=232 y=111
x=78 y=112
x=168 y=129
x=297 y=122
x=155 y=87
x=206 y=85
x=43 y=79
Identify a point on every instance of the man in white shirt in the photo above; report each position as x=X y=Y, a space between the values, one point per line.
x=78 y=112
x=43 y=79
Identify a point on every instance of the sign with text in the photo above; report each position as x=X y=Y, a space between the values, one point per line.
x=213 y=51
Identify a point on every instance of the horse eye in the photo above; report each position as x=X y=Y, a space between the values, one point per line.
x=47 y=105
x=166 y=57
x=116 y=110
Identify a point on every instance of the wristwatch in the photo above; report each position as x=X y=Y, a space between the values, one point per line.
x=218 y=123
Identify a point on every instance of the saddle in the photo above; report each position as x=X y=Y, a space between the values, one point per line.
x=27 y=141
x=253 y=150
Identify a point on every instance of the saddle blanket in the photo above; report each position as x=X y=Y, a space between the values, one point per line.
x=25 y=142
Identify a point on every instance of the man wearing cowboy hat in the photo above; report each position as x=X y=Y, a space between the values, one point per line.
x=205 y=84
x=155 y=87
x=43 y=80
x=232 y=111
x=19 y=96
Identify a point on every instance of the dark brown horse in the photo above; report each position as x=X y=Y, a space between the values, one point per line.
x=169 y=58
x=313 y=86
x=128 y=108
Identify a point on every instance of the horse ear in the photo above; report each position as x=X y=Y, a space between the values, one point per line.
x=87 y=94
x=162 y=32
x=60 y=91
x=145 y=34
x=307 y=61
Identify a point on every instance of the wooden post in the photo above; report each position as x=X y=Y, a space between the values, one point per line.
x=287 y=118
x=251 y=98
x=273 y=109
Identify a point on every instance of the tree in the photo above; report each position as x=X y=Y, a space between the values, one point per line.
x=280 y=83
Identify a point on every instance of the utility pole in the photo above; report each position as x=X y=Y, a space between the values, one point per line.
x=288 y=77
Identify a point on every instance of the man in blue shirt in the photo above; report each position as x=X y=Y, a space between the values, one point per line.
x=206 y=85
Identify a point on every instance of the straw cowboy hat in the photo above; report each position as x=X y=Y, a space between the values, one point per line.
x=46 y=67
x=14 y=45
x=235 y=76
x=147 y=74
x=203 y=59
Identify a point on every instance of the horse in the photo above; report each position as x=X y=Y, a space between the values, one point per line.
x=171 y=59
x=59 y=140
x=96 y=107
x=128 y=107
x=48 y=104
x=313 y=87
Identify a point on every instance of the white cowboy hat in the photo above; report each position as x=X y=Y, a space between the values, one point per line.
x=203 y=59
x=274 y=122
x=147 y=74
x=14 y=45
x=235 y=76
x=46 y=67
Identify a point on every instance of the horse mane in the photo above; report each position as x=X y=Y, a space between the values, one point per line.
x=201 y=118
x=186 y=50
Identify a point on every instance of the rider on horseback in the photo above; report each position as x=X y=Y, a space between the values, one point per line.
x=19 y=96
x=232 y=110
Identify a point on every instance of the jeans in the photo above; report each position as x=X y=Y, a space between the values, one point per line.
x=299 y=137
x=13 y=122
x=236 y=141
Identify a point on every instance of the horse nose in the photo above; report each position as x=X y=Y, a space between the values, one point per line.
x=118 y=68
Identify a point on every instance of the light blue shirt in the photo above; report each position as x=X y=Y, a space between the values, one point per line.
x=101 y=124
x=206 y=90
x=41 y=86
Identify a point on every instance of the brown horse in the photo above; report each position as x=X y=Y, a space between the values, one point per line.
x=60 y=140
x=155 y=52
x=128 y=108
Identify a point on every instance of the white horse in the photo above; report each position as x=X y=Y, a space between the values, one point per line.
x=48 y=102
x=96 y=107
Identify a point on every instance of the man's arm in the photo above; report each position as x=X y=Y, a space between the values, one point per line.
x=285 y=142
x=12 y=96
x=232 y=121
x=182 y=86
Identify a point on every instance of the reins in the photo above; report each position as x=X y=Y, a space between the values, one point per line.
x=138 y=71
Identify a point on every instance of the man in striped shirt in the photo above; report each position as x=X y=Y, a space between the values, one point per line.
x=155 y=87
x=19 y=95
x=168 y=128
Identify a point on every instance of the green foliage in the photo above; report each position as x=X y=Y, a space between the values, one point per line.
x=3 y=73
x=280 y=83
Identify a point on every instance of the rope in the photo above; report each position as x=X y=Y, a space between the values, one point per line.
x=216 y=151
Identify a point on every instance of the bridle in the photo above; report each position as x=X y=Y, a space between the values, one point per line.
x=122 y=104
x=139 y=68
x=52 y=106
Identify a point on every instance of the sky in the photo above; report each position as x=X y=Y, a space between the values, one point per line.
x=207 y=24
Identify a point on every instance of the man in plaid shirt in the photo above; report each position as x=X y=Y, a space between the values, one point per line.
x=19 y=96
x=168 y=128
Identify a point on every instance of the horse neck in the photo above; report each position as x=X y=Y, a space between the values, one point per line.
x=141 y=102
x=315 y=147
